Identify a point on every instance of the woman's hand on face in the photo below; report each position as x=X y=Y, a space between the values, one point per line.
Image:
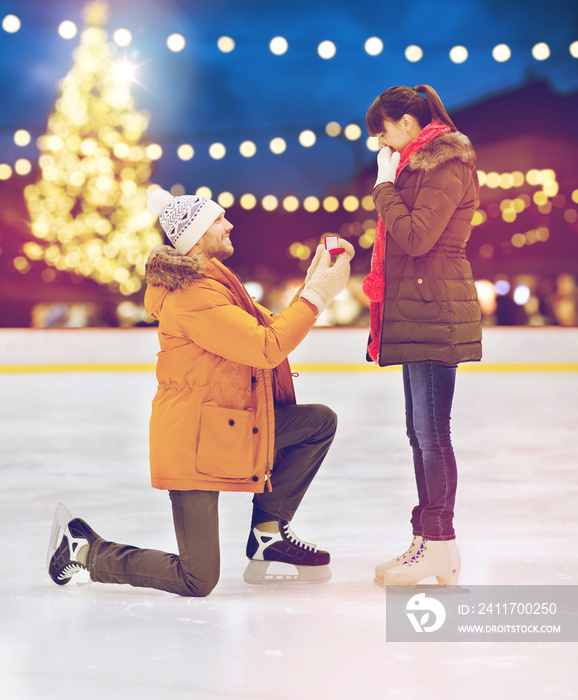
x=387 y=163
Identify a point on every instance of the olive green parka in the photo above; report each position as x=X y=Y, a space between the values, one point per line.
x=431 y=309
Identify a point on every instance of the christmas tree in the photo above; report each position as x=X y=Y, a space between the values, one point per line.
x=88 y=209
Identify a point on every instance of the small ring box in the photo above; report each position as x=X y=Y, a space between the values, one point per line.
x=332 y=245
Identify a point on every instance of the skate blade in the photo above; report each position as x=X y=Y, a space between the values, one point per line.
x=82 y=578
x=62 y=517
x=265 y=572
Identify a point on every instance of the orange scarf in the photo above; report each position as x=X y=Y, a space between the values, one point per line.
x=374 y=283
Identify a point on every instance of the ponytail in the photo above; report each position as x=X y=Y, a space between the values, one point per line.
x=392 y=104
x=437 y=110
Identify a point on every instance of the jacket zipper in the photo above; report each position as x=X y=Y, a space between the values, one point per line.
x=268 y=469
x=384 y=294
x=268 y=472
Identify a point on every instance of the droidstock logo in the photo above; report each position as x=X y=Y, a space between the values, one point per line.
x=427 y=607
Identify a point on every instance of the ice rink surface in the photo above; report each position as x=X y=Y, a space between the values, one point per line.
x=81 y=438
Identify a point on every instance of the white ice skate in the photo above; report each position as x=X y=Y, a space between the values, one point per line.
x=414 y=547
x=435 y=558
x=60 y=522
x=282 y=557
x=68 y=537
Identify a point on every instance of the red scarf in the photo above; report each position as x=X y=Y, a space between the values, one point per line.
x=374 y=283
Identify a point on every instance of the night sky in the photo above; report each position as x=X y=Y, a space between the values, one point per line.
x=201 y=95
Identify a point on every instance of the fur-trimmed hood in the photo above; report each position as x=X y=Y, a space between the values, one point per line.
x=441 y=149
x=167 y=268
x=168 y=271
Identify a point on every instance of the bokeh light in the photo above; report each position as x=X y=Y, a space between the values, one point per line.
x=413 y=53
x=226 y=199
x=501 y=53
x=486 y=296
x=541 y=51
x=5 y=171
x=278 y=45
x=22 y=166
x=459 y=54
x=307 y=138
x=278 y=145
x=372 y=143
x=331 y=204
x=255 y=290
x=248 y=201
x=247 y=149
x=502 y=287
x=67 y=29
x=185 y=151
x=374 y=46
x=154 y=151
x=367 y=203
x=352 y=132
x=269 y=202
x=176 y=42
x=521 y=294
x=226 y=44
x=326 y=49
x=290 y=203
x=217 y=151
x=333 y=129
x=351 y=203
x=11 y=24
x=122 y=37
x=22 y=137
x=311 y=204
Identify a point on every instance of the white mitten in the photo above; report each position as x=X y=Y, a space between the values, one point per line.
x=327 y=280
x=311 y=269
x=387 y=163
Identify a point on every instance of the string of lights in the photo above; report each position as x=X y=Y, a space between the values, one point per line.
x=88 y=208
x=185 y=152
x=544 y=199
x=279 y=45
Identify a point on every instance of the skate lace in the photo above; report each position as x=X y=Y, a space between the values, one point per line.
x=69 y=570
x=418 y=555
x=408 y=550
x=292 y=537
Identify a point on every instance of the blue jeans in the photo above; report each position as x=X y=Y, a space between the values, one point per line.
x=429 y=391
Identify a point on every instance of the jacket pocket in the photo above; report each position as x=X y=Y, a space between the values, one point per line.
x=422 y=280
x=225 y=446
x=416 y=298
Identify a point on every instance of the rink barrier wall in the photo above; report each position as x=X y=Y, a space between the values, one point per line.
x=323 y=350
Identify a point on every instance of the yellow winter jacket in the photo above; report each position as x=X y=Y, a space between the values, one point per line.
x=221 y=369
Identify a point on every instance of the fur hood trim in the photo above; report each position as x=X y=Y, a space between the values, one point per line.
x=442 y=149
x=167 y=268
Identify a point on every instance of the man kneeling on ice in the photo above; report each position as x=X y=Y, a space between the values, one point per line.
x=224 y=417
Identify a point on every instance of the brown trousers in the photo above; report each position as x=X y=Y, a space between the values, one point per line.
x=303 y=432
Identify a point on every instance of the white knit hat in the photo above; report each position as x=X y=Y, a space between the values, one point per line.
x=184 y=219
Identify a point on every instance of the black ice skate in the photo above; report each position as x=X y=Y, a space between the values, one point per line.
x=67 y=538
x=264 y=548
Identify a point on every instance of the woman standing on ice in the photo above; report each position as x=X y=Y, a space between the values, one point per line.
x=425 y=313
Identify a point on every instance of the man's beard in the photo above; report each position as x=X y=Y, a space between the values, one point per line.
x=218 y=252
